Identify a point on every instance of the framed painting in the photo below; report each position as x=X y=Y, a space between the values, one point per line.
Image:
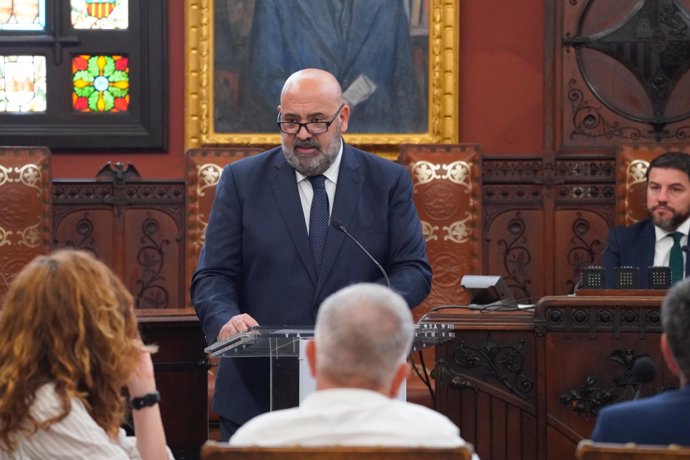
x=397 y=61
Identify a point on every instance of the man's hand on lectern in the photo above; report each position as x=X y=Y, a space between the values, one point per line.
x=237 y=323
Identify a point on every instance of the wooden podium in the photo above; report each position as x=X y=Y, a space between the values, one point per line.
x=181 y=370
x=528 y=385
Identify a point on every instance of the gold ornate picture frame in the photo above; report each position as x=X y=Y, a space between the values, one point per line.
x=202 y=125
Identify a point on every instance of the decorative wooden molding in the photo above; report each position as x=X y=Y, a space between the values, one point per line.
x=136 y=226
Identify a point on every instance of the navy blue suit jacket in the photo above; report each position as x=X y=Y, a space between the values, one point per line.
x=632 y=246
x=660 y=419
x=256 y=258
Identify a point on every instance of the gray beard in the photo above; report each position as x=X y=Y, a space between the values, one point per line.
x=312 y=165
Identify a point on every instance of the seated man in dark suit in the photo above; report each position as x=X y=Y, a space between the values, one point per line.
x=664 y=418
x=660 y=240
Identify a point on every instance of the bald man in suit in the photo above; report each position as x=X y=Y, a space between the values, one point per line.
x=259 y=264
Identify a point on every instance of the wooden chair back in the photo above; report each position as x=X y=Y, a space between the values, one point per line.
x=447 y=194
x=203 y=168
x=588 y=450
x=25 y=220
x=212 y=450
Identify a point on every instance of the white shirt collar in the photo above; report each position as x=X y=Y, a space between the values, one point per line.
x=332 y=172
x=684 y=228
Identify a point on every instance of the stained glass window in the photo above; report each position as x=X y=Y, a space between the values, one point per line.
x=92 y=78
x=101 y=83
x=22 y=84
x=22 y=14
x=100 y=14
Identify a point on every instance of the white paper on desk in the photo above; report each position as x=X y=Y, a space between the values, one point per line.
x=360 y=90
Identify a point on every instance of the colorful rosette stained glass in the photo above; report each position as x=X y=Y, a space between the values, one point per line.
x=100 y=83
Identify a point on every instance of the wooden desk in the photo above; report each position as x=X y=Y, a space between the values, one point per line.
x=528 y=385
x=181 y=368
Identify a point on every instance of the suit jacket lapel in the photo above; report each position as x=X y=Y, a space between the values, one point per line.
x=283 y=183
x=347 y=195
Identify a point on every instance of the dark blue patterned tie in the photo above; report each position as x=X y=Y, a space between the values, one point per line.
x=676 y=259
x=318 y=220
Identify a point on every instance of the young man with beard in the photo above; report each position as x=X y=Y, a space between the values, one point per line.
x=659 y=240
x=272 y=255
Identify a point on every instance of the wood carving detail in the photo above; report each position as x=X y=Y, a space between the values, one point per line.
x=592 y=395
x=152 y=292
x=603 y=320
x=623 y=70
x=136 y=226
x=505 y=364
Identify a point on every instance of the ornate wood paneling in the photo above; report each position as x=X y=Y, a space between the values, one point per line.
x=587 y=346
x=544 y=220
x=486 y=382
x=582 y=243
x=525 y=385
x=621 y=72
x=26 y=209
x=134 y=225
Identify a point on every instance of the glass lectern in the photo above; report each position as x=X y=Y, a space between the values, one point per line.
x=290 y=379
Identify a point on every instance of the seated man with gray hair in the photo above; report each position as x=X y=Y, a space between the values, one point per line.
x=358 y=357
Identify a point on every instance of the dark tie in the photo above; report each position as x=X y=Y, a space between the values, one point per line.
x=676 y=259
x=318 y=220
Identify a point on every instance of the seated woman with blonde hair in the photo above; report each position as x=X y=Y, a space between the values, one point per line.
x=69 y=344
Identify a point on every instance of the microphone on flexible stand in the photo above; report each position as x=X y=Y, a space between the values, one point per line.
x=643 y=371
x=339 y=225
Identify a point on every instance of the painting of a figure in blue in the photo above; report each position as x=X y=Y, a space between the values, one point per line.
x=378 y=50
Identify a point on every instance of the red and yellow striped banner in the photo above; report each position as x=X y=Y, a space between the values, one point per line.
x=100 y=10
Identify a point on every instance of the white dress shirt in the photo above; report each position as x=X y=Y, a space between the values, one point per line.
x=351 y=417
x=664 y=243
x=306 y=193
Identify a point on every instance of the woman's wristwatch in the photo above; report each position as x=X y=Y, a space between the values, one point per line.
x=147 y=400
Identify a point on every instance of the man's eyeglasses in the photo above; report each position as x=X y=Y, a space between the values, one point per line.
x=312 y=127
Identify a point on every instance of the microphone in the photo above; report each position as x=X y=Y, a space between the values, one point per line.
x=596 y=279
x=339 y=225
x=597 y=259
x=643 y=371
